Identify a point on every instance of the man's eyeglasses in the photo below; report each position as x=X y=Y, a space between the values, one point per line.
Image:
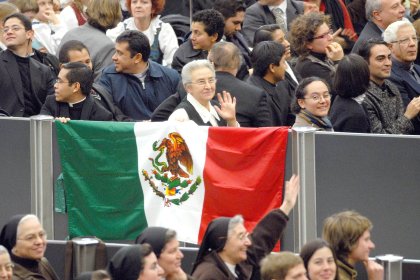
x=407 y=41
x=324 y=35
x=204 y=82
x=13 y=28
x=317 y=98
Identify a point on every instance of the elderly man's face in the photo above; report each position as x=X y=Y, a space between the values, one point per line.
x=236 y=245
x=31 y=240
x=404 y=49
x=202 y=86
x=391 y=11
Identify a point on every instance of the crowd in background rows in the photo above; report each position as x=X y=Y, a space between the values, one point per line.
x=275 y=62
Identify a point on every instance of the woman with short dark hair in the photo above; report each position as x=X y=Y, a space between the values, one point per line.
x=351 y=82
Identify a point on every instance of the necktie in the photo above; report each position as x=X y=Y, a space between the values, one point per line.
x=279 y=16
x=414 y=74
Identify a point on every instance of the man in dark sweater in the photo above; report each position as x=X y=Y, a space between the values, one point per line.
x=24 y=83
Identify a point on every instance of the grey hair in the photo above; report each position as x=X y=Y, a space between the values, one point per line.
x=3 y=250
x=372 y=5
x=236 y=220
x=225 y=55
x=390 y=33
x=169 y=235
x=190 y=67
x=25 y=218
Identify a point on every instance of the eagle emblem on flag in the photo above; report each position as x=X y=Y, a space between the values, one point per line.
x=171 y=179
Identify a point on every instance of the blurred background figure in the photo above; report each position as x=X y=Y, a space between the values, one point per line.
x=340 y=19
x=5 y=10
x=48 y=28
x=74 y=13
x=146 y=18
x=92 y=33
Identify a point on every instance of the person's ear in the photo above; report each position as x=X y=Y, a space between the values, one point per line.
x=271 y=68
x=138 y=58
x=187 y=87
x=377 y=15
x=213 y=38
x=301 y=103
x=76 y=87
x=30 y=34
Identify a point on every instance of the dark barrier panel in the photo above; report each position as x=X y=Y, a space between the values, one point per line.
x=379 y=177
x=15 y=170
x=411 y=269
x=56 y=255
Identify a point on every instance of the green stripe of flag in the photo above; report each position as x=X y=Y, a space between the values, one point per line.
x=104 y=152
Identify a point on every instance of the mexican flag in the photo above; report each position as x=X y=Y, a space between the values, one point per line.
x=123 y=177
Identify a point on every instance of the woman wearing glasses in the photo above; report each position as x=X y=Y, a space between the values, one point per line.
x=26 y=240
x=312 y=103
x=199 y=80
x=313 y=40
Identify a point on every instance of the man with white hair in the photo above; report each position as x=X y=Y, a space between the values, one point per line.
x=402 y=38
x=380 y=14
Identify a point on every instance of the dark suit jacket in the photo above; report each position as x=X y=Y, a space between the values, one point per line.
x=11 y=91
x=252 y=109
x=92 y=110
x=408 y=87
x=370 y=30
x=186 y=53
x=279 y=100
x=257 y=15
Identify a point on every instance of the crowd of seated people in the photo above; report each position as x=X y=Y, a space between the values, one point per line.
x=134 y=58
x=84 y=61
